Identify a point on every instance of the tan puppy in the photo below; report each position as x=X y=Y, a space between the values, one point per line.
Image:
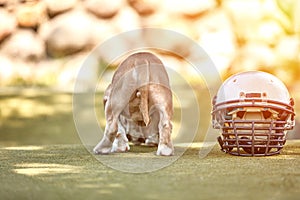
x=139 y=95
x=134 y=131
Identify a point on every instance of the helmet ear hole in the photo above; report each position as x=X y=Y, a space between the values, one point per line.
x=267 y=114
x=240 y=114
x=292 y=102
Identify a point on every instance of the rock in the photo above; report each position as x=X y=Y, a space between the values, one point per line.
x=24 y=45
x=145 y=7
x=117 y=46
x=6 y=70
x=4 y=2
x=46 y=71
x=104 y=8
x=31 y=13
x=190 y=8
x=168 y=40
x=81 y=71
x=102 y=30
x=8 y=24
x=68 y=33
x=158 y=19
x=9 y=5
x=16 y=72
x=56 y=7
x=126 y=20
x=24 y=73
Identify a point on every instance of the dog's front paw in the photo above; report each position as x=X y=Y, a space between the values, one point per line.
x=105 y=150
x=152 y=141
x=103 y=147
x=164 y=150
x=119 y=149
x=120 y=144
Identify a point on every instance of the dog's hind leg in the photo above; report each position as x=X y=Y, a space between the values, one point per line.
x=110 y=132
x=121 y=141
x=165 y=145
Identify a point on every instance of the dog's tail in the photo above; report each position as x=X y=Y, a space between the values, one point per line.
x=144 y=95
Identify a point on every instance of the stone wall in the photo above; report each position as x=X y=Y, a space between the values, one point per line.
x=44 y=42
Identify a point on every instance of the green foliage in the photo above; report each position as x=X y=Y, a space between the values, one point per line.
x=291 y=9
x=287 y=7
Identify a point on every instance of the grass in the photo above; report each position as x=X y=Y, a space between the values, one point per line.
x=41 y=158
x=71 y=172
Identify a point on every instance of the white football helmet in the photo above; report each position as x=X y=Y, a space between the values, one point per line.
x=254 y=111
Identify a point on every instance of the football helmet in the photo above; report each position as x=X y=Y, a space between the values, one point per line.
x=254 y=111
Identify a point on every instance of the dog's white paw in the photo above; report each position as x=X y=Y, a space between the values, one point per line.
x=164 y=150
x=106 y=150
x=120 y=144
x=152 y=141
x=120 y=148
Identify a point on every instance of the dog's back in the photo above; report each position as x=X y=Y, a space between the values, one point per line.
x=141 y=70
x=136 y=60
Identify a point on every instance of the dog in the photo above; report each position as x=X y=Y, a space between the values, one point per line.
x=134 y=131
x=138 y=96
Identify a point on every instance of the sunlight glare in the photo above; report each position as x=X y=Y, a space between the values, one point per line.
x=34 y=169
x=24 y=148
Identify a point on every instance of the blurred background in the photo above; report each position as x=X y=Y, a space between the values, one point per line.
x=43 y=44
